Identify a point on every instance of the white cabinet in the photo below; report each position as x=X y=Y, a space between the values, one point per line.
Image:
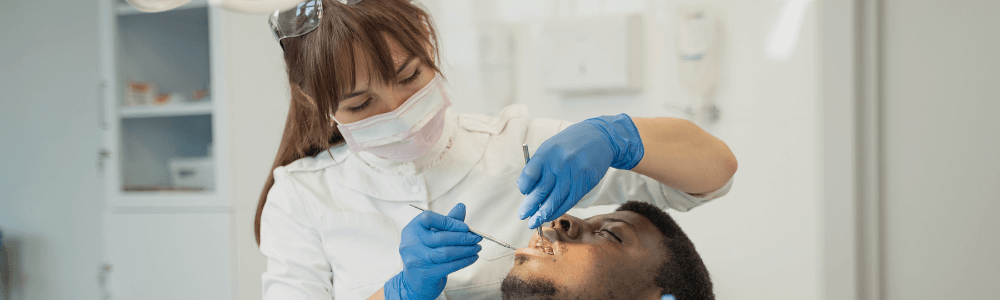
x=169 y=219
x=170 y=256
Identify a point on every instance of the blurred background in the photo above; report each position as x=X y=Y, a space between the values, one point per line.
x=133 y=146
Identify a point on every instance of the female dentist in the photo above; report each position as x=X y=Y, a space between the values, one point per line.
x=369 y=132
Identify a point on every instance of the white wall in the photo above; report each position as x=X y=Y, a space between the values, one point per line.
x=50 y=186
x=941 y=150
x=760 y=241
x=258 y=102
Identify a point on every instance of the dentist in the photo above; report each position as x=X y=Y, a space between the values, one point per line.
x=369 y=131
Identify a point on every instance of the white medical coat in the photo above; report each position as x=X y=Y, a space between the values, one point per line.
x=331 y=225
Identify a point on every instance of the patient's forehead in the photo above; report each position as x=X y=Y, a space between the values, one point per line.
x=633 y=218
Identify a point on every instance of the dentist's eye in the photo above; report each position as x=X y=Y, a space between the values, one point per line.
x=361 y=107
x=411 y=78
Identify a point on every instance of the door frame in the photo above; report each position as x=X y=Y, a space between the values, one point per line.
x=850 y=146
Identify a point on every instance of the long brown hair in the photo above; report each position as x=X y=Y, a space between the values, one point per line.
x=321 y=67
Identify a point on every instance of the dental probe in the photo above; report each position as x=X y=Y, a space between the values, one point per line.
x=524 y=147
x=541 y=238
x=480 y=233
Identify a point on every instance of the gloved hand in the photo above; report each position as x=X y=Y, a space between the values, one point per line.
x=667 y=297
x=432 y=246
x=568 y=165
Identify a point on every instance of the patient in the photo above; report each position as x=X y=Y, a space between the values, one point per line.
x=637 y=252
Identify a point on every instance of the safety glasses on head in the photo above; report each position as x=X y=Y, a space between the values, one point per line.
x=299 y=20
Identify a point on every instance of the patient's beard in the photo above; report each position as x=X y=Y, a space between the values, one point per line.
x=515 y=288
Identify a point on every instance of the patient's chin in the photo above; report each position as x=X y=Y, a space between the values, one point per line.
x=517 y=288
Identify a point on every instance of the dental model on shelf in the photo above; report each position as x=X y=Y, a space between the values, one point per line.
x=142 y=93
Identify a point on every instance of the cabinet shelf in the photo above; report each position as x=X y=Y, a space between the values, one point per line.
x=170 y=110
x=125 y=9
x=176 y=200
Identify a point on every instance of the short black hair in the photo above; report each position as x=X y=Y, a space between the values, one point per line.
x=682 y=272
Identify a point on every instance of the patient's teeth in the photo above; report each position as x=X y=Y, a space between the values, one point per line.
x=544 y=243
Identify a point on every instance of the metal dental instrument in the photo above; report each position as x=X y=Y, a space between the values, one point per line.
x=541 y=238
x=480 y=233
x=524 y=147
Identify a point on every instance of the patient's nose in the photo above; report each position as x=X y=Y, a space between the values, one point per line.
x=569 y=225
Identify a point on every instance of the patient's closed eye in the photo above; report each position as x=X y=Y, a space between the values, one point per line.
x=612 y=235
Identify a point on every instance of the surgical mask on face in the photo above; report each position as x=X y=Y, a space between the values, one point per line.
x=404 y=134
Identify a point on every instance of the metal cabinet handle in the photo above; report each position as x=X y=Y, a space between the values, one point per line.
x=103 y=156
x=102 y=121
x=103 y=278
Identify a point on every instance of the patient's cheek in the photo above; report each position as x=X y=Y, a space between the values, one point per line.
x=578 y=269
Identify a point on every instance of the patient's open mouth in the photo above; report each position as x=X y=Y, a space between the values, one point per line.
x=547 y=248
x=544 y=243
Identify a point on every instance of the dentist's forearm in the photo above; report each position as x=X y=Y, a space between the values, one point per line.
x=680 y=154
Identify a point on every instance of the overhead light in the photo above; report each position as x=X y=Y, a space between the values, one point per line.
x=243 y=6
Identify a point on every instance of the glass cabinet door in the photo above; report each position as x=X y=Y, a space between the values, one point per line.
x=165 y=110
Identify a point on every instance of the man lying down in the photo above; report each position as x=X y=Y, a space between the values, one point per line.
x=636 y=252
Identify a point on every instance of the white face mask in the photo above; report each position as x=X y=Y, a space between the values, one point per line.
x=404 y=134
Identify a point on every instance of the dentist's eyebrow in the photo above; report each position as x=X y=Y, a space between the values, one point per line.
x=400 y=70
x=354 y=94
x=406 y=64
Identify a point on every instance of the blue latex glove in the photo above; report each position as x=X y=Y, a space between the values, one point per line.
x=432 y=246
x=568 y=165
x=667 y=297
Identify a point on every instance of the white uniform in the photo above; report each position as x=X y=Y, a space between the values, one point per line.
x=331 y=226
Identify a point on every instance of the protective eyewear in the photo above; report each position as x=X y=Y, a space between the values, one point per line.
x=299 y=20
